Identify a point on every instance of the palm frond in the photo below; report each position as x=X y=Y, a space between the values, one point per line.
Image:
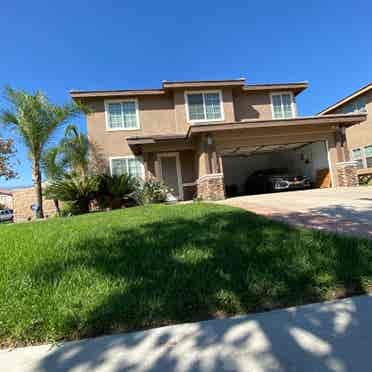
x=52 y=164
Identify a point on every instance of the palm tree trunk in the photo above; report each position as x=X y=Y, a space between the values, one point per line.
x=56 y=205
x=38 y=189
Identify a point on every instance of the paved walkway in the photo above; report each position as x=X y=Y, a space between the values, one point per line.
x=342 y=210
x=334 y=336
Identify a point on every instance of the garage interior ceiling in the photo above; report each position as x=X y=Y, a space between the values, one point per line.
x=254 y=150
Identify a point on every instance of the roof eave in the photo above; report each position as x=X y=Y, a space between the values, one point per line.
x=347 y=99
x=340 y=120
x=203 y=84
x=294 y=87
x=154 y=139
x=76 y=94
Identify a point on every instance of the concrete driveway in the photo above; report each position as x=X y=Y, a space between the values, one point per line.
x=342 y=210
x=328 y=337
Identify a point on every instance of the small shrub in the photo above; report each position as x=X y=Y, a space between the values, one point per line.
x=152 y=191
x=69 y=209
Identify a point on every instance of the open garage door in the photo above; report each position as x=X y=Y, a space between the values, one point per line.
x=297 y=160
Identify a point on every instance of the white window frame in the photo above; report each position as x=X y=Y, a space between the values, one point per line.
x=219 y=91
x=293 y=104
x=178 y=166
x=363 y=158
x=107 y=102
x=363 y=153
x=129 y=157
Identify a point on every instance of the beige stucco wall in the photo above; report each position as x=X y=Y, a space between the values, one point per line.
x=165 y=114
x=156 y=116
x=22 y=201
x=253 y=106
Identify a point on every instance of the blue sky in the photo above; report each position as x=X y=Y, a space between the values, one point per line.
x=56 y=46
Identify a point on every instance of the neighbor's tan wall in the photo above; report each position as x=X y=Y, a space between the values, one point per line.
x=359 y=134
x=22 y=201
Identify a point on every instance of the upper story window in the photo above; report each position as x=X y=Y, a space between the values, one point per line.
x=129 y=164
x=363 y=156
x=204 y=106
x=122 y=115
x=283 y=106
x=359 y=105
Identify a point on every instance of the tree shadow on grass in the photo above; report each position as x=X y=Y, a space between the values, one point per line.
x=183 y=269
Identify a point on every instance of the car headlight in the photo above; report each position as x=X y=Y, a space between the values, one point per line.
x=281 y=185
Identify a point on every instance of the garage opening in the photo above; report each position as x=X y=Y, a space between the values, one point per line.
x=261 y=169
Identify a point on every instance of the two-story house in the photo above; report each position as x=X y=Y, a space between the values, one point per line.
x=6 y=198
x=359 y=137
x=201 y=137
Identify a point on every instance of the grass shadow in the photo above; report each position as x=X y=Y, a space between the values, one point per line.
x=187 y=269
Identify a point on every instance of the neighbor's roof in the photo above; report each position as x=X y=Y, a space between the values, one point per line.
x=5 y=192
x=169 y=85
x=342 y=101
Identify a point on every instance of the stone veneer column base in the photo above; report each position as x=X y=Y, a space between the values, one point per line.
x=211 y=187
x=347 y=174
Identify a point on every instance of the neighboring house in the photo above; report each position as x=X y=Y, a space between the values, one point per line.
x=359 y=137
x=203 y=136
x=23 y=199
x=6 y=198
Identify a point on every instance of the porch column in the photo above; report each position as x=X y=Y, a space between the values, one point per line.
x=210 y=183
x=347 y=171
x=150 y=165
x=341 y=145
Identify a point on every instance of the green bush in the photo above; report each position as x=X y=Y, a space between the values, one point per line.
x=78 y=191
x=152 y=191
x=69 y=209
x=116 y=191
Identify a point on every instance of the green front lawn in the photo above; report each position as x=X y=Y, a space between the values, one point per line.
x=149 y=266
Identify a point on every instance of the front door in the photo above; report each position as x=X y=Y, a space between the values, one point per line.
x=171 y=173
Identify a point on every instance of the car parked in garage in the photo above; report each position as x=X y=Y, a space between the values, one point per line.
x=271 y=180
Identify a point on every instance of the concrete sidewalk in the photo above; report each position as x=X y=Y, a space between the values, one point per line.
x=334 y=336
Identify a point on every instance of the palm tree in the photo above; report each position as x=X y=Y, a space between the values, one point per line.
x=75 y=149
x=53 y=168
x=35 y=119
